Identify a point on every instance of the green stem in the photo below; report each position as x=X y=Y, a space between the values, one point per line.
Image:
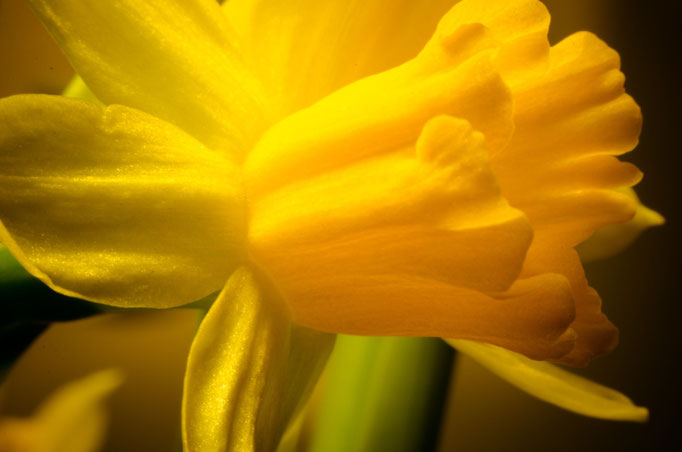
x=383 y=394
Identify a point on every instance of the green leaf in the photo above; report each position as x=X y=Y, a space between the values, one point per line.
x=383 y=393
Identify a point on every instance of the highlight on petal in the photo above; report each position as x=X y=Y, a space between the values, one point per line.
x=249 y=371
x=611 y=240
x=176 y=60
x=554 y=385
x=305 y=49
x=73 y=418
x=571 y=120
x=115 y=206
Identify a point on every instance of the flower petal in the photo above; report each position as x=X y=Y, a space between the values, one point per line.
x=305 y=49
x=115 y=206
x=386 y=112
x=74 y=416
x=174 y=59
x=402 y=244
x=249 y=370
x=553 y=384
x=595 y=334
x=613 y=239
x=532 y=317
x=571 y=119
x=434 y=209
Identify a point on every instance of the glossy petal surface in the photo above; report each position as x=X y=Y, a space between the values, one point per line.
x=249 y=370
x=115 y=206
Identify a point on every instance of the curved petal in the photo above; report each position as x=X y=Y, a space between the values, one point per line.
x=305 y=49
x=249 y=370
x=571 y=119
x=115 y=206
x=174 y=59
x=613 y=239
x=553 y=384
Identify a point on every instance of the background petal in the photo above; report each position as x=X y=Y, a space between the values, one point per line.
x=174 y=59
x=611 y=240
x=73 y=418
x=553 y=384
x=305 y=49
x=113 y=205
x=249 y=370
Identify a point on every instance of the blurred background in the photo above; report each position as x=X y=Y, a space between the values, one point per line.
x=640 y=287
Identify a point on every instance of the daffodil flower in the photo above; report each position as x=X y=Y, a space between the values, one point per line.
x=375 y=168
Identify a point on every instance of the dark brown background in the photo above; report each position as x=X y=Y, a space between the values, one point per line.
x=640 y=287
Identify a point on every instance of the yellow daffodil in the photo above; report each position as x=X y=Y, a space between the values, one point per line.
x=376 y=168
x=73 y=418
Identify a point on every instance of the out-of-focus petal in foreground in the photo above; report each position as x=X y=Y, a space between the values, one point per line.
x=611 y=240
x=73 y=418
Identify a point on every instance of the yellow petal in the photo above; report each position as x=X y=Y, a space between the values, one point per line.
x=611 y=240
x=519 y=27
x=72 y=419
x=457 y=73
x=305 y=49
x=402 y=244
x=386 y=112
x=249 y=370
x=434 y=210
x=553 y=384
x=174 y=59
x=113 y=205
x=570 y=122
x=532 y=317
